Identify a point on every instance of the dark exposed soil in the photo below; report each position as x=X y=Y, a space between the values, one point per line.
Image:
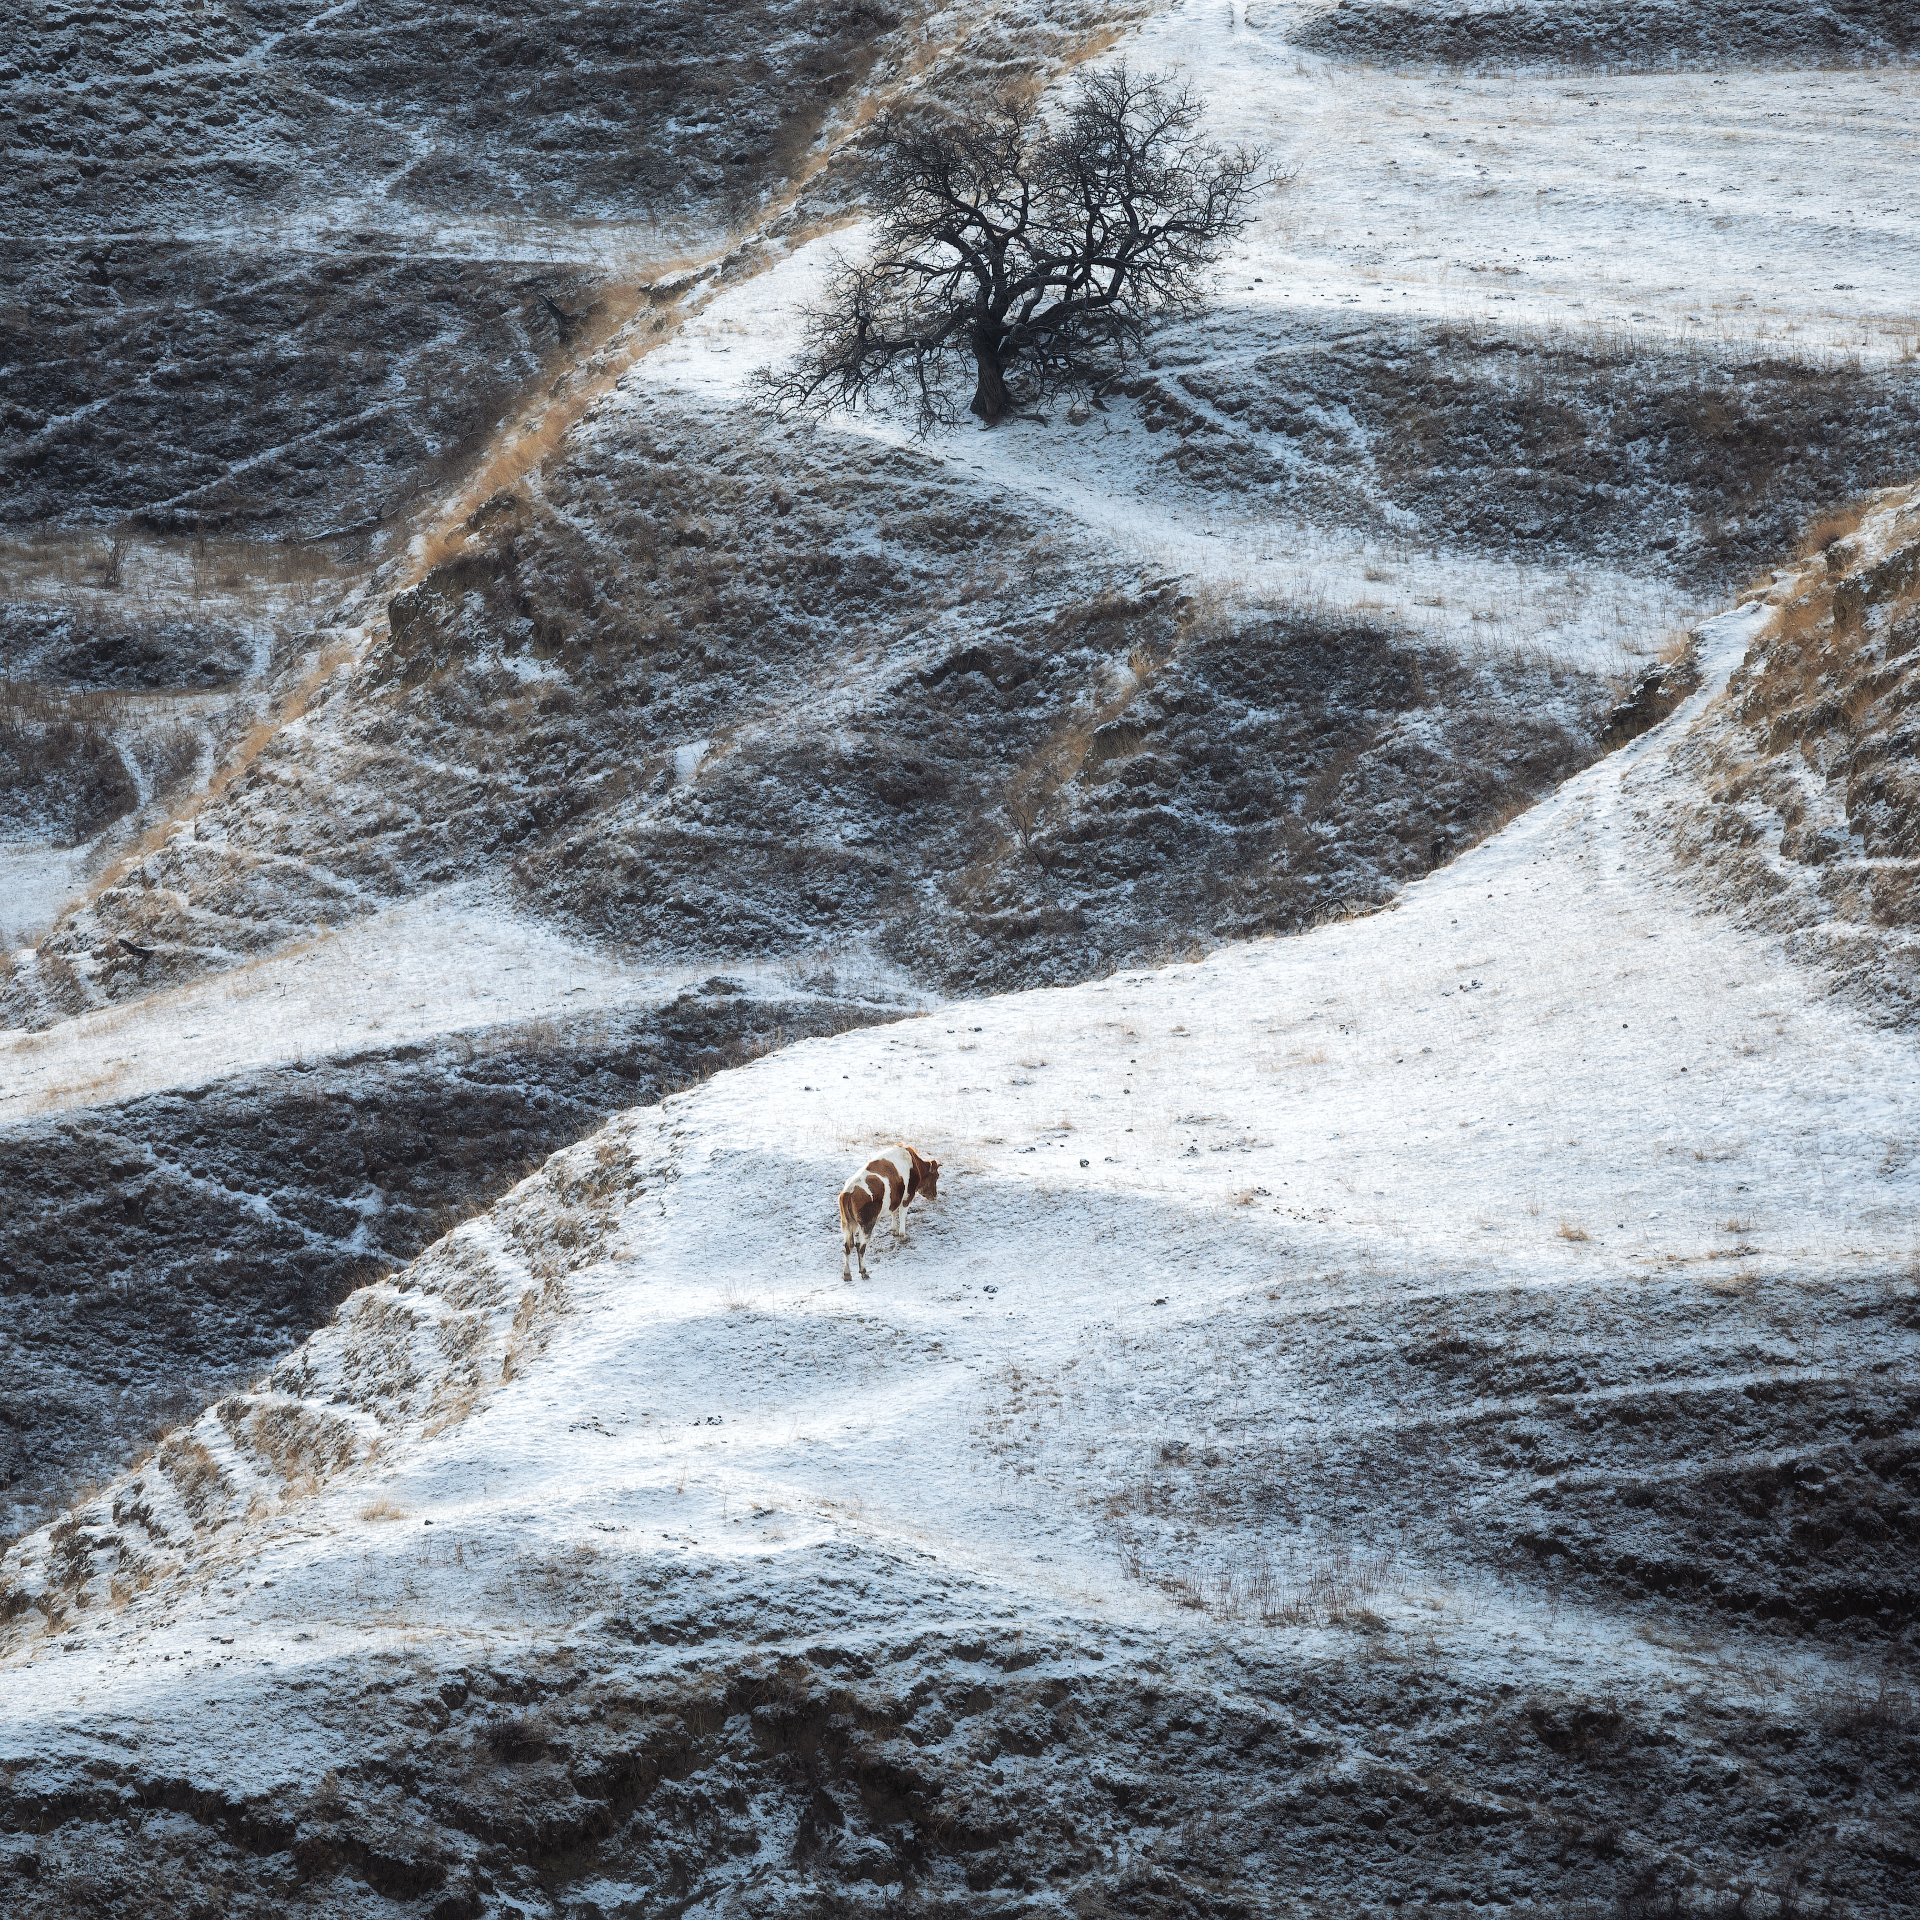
x=1699 y=466
x=957 y=1773
x=171 y=356
x=61 y=780
x=156 y=116
x=94 y=645
x=290 y=395
x=1732 y=1449
x=153 y=1253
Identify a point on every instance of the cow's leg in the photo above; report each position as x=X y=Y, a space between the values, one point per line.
x=846 y=1251
x=900 y=1223
x=861 y=1243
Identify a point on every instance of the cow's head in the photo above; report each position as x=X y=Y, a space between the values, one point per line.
x=928 y=1172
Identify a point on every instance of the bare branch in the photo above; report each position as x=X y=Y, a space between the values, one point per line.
x=1028 y=255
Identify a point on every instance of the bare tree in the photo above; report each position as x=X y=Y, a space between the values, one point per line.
x=1024 y=252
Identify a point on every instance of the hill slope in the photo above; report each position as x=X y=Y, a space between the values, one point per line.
x=1418 y=1413
x=1111 y=1541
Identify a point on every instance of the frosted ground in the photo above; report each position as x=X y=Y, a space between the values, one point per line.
x=459 y=960
x=1448 y=1442
x=1726 y=216
x=1723 y=216
x=1544 y=1090
x=1737 y=215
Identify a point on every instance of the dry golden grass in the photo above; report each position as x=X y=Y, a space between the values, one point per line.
x=1569 y=1230
x=194 y=1472
x=1144 y=662
x=1674 y=647
x=1831 y=528
x=382 y=1509
x=305 y=1448
x=239 y=760
x=615 y=339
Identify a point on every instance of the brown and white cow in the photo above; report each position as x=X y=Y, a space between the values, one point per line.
x=889 y=1183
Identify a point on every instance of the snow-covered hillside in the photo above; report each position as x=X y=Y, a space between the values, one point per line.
x=1700 y=36
x=1406 y=1402
x=1515 y=362
x=1506 y=1288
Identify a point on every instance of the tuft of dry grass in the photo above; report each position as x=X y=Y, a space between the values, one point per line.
x=1851 y=1708
x=1830 y=528
x=193 y=1471
x=1674 y=647
x=383 y=1509
x=517 y=1738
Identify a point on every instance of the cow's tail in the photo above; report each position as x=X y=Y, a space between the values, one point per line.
x=848 y=1220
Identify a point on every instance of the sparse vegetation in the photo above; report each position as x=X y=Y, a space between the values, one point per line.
x=61 y=776
x=1023 y=251
x=1281 y=1521
x=1810 y=817
x=516 y=1738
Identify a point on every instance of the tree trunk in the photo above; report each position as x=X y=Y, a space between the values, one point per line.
x=991 y=400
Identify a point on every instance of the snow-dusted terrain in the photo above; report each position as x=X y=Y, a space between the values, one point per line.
x=1124 y=1387
x=1414 y=1414
x=451 y=962
x=1518 y=361
x=1625 y=216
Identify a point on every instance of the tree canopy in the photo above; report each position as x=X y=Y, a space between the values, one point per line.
x=1022 y=252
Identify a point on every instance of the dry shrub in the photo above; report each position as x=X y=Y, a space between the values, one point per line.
x=448 y=1411
x=1851 y=1708
x=1674 y=647
x=515 y=1739
x=1829 y=529
x=304 y=1448
x=1334 y=1592
x=69 y=1553
x=60 y=770
x=195 y=1474
x=1809 y=815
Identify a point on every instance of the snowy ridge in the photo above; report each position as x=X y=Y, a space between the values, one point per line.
x=1542 y=1198
x=406 y=1358
x=1260 y=1130
x=1803 y=806
x=455 y=960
